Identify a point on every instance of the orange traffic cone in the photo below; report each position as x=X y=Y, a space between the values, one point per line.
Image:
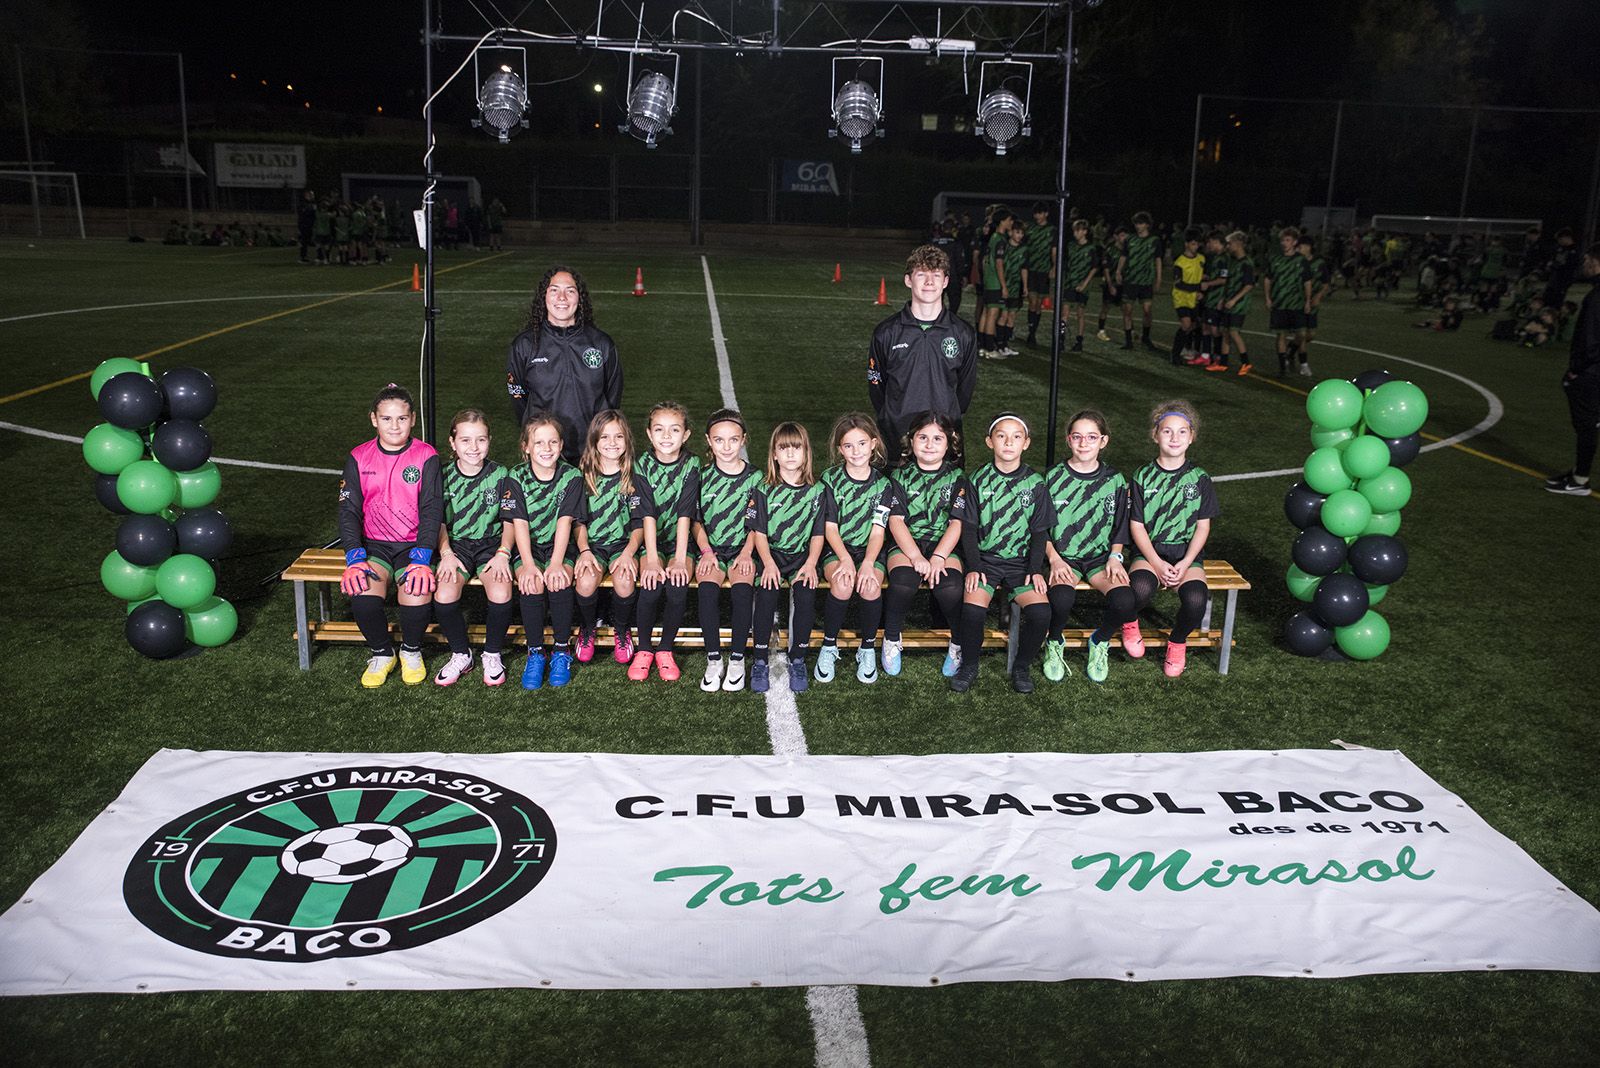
x=1048 y=305
x=837 y=274
x=638 y=282
x=883 y=293
x=416 y=279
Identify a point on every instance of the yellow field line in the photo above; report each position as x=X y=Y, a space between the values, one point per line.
x=1431 y=437
x=240 y=326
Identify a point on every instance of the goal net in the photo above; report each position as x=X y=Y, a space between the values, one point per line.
x=41 y=204
x=1451 y=225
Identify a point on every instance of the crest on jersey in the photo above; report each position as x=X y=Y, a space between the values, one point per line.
x=1191 y=492
x=951 y=348
x=412 y=474
x=592 y=357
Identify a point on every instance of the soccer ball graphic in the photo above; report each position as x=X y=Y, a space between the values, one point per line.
x=347 y=853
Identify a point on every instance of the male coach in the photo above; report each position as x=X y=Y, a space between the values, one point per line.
x=923 y=358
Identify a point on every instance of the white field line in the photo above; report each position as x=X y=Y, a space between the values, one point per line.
x=836 y=1024
x=36 y=432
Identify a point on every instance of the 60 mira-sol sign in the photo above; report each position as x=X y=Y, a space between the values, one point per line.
x=261 y=871
x=261 y=166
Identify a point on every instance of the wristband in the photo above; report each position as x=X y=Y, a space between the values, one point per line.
x=938 y=556
x=354 y=556
x=419 y=555
x=1116 y=556
x=503 y=551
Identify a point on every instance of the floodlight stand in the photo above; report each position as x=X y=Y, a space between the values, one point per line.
x=1068 y=58
x=429 y=311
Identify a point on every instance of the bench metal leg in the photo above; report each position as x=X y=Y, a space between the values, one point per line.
x=1205 y=620
x=322 y=602
x=1227 y=632
x=302 y=631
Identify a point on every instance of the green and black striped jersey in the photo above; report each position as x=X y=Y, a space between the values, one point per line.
x=856 y=507
x=790 y=516
x=666 y=485
x=1015 y=260
x=1288 y=275
x=1169 y=503
x=1218 y=267
x=1039 y=244
x=1082 y=260
x=995 y=252
x=1089 y=513
x=473 y=504
x=1142 y=255
x=1010 y=509
x=929 y=501
x=542 y=504
x=1241 y=273
x=1112 y=257
x=720 y=500
x=610 y=516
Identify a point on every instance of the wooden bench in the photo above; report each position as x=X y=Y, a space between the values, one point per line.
x=323 y=568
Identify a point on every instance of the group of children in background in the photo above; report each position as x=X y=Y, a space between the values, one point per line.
x=546 y=535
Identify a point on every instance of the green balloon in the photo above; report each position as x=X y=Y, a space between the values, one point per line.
x=1334 y=404
x=185 y=581
x=146 y=487
x=127 y=581
x=1365 y=457
x=1376 y=593
x=211 y=622
x=1383 y=523
x=1389 y=492
x=1324 y=471
x=1302 y=585
x=1364 y=639
x=108 y=449
x=110 y=369
x=1396 y=409
x=1338 y=439
x=199 y=487
x=1346 y=513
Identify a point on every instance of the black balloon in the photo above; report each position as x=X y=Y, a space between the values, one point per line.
x=204 y=532
x=181 y=444
x=1303 y=505
x=1305 y=636
x=1369 y=380
x=105 y=491
x=1403 y=450
x=1317 y=552
x=130 y=400
x=1340 y=600
x=156 y=630
x=146 y=540
x=191 y=393
x=1378 y=558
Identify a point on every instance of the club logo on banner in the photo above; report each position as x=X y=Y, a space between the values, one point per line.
x=341 y=863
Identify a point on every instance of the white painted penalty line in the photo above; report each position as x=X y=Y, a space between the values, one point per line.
x=36 y=432
x=836 y=1025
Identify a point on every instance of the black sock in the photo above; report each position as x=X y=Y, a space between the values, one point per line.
x=454 y=624
x=561 y=617
x=414 y=624
x=1062 y=598
x=533 y=606
x=368 y=611
x=672 y=617
x=970 y=632
x=1192 y=600
x=1035 y=621
x=1144 y=585
x=743 y=596
x=766 y=612
x=947 y=600
x=710 y=594
x=1127 y=336
x=902 y=587
x=1121 y=607
x=1033 y=322
x=496 y=621
x=622 y=611
x=649 y=608
x=868 y=615
x=833 y=618
x=588 y=606
x=803 y=617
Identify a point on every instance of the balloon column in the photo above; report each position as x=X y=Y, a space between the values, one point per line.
x=152 y=463
x=1347 y=509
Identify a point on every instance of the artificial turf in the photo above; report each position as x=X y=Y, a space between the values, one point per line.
x=1488 y=685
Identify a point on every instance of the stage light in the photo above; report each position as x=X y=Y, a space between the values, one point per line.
x=598 y=88
x=857 y=106
x=653 y=98
x=1002 y=114
x=502 y=102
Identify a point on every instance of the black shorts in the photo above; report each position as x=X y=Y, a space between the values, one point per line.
x=1308 y=320
x=1009 y=577
x=1137 y=291
x=1233 y=320
x=1213 y=316
x=541 y=556
x=1283 y=320
x=1071 y=295
x=926 y=546
x=1090 y=566
x=607 y=555
x=1110 y=296
x=990 y=296
x=789 y=564
x=1173 y=553
x=474 y=553
x=857 y=554
x=392 y=556
x=1014 y=301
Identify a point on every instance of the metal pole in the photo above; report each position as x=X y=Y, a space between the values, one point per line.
x=1060 y=250
x=27 y=144
x=1194 y=151
x=429 y=312
x=1466 y=172
x=183 y=116
x=1333 y=168
x=694 y=193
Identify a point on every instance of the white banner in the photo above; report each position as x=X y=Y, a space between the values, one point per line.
x=292 y=871
x=261 y=166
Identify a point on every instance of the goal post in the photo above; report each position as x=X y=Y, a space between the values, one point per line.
x=43 y=203
x=1452 y=225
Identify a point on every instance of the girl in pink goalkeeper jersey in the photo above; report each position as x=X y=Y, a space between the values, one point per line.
x=391 y=503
